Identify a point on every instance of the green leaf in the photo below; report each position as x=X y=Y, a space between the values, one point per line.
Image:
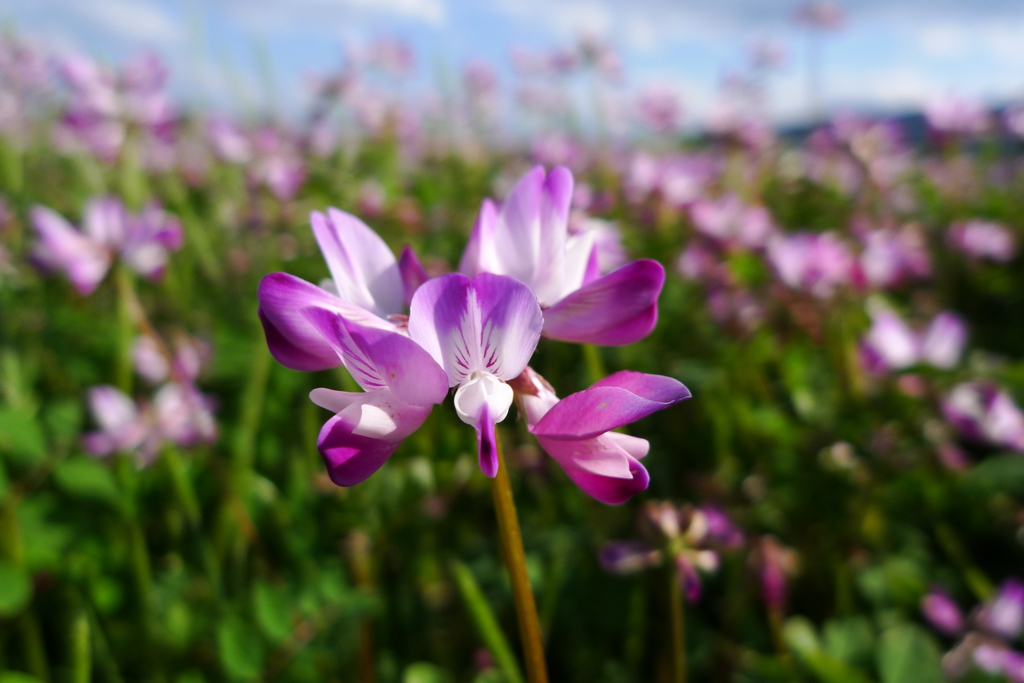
x=63 y=420
x=800 y=635
x=15 y=589
x=850 y=639
x=240 y=649
x=424 y=672
x=84 y=477
x=21 y=437
x=272 y=607
x=486 y=623
x=907 y=654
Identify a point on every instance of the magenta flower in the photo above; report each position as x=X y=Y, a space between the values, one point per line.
x=660 y=110
x=482 y=332
x=985 y=636
x=528 y=239
x=892 y=257
x=818 y=263
x=679 y=533
x=942 y=612
x=983 y=412
x=85 y=256
x=891 y=344
x=122 y=426
x=577 y=431
x=729 y=221
x=983 y=240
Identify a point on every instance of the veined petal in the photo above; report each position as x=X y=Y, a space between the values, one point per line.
x=610 y=403
x=619 y=308
x=412 y=272
x=293 y=341
x=382 y=359
x=478 y=256
x=488 y=324
x=363 y=267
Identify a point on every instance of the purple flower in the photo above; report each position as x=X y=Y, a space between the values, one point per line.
x=728 y=220
x=183 y=415
x=890 y=344
x=984 y=240
x=482 y=332
x=892 y=257
x=626 y=557
x=401 y=383
x=942 y=612
x=1003 y=614
x=122 y=427
x=942 y=343
x=722 y=531
x=577 y=430
x=228 y=141
x=818 y=263
x=528 y=239
x=983 y=412
x=85 y=256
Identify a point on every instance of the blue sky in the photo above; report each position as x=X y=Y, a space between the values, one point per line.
x=892 y=54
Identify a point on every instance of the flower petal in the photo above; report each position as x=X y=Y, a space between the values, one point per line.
x=362 y=265
x=943 y=341
x=350 y=458
x=624 y=557
x=478 y=256
x=293 y=341
x=490 y=324
x=606 y=489
x=382 y=359
x=610 y=403
x=530 y=234
x=412 y=272
x=619 y=308
x=62 y=247
x=106 y=222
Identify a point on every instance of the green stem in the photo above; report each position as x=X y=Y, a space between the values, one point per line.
x=182 y=485
x=677 y=608
x=81 y=650
x=486 y=623
x=125 y=327
x=515 y=562
x=35 y=651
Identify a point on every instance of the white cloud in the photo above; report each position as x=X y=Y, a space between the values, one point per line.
x=943 y=40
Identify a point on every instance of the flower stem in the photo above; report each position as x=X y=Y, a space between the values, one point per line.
x=675 y=592
x=515 y=561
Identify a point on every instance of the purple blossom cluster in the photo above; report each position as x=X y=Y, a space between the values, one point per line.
x=407 y=338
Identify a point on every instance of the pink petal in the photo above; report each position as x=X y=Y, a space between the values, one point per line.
x=611 y=490
x=351 y=459
x=619 y=308
x=363 y=267
x=382 y=359
x=293 y=341
x=478 y=256
x=491 y=323
x=610 y=403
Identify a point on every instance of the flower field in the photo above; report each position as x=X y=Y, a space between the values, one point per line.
x=268 y=389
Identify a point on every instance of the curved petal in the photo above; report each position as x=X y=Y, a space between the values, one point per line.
x=478 y=256
x=530 y=234
x=293 y=341
x=943 y=342
x=382 y=359
x=611 y=490
x=625 y=557
x=490 y=324
x=613 y=402
x=106 y=221
x=482 y=402
x=362 y=265
x=412 y=272
x=619 y=308
x=351 y=459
